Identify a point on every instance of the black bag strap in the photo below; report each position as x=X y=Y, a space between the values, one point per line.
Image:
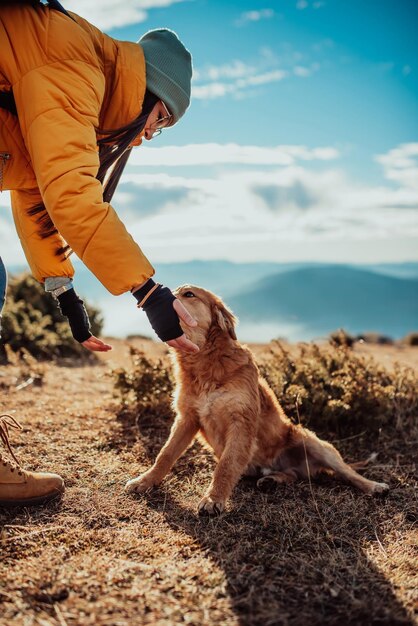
x=54 y=4
x=7 y=100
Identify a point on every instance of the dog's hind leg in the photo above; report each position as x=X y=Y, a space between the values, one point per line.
x=283 y=478
x=326 y=456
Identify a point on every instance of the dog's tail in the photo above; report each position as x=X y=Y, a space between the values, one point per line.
x=363 y=464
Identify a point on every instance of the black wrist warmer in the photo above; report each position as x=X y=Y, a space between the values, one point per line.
x=73 y=308
x=160 y=311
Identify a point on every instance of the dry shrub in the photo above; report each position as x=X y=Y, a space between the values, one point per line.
x=328 y=388
x=340 y=337
x=331 y=389
x=410 y=340
x=24 y=370
x=145 y=392
x=148 y=385
x=375 y=338
x=32 y=321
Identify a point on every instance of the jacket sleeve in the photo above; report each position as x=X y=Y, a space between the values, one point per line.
x=58 y=106
x=40 y=253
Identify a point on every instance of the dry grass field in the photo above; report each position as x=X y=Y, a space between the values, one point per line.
x=301 y=555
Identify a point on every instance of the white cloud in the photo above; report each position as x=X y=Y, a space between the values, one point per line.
x=303 y=4
x=216 y=154
x=234 y=69
x=10 y=249
x=5 y=199
x=236 y=77
x=212 y=90
x=165 y=181
x=218 y=89
x=108 y=14
x=261 y=79
x=288 y=212
x=229 y=216
x=300 y=205
x=254 y=16
x=401 y=165
x=299 y=70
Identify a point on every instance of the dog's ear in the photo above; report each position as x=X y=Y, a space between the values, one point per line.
x=225 y=318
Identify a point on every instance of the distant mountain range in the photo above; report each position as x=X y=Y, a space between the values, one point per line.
x=322 y=299
x=299 y=301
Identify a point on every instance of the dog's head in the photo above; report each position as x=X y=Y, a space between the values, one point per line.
x=213 y=318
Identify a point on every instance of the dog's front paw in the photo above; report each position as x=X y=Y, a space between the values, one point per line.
x=140 y=484
x=207 y=506
x=378 y=489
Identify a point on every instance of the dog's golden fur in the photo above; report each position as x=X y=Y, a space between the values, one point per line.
x=221 y=395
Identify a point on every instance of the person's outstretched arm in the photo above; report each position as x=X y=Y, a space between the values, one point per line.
x=72 y=307
x=58 y=105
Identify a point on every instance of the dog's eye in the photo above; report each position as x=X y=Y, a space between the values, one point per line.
x=189 y=294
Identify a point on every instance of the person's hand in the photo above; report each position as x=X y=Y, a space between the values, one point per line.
x=96 y=345
x=74 y=310
x=182 y=342
x=164 y=313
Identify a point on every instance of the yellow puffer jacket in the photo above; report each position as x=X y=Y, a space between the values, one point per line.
x=68 y=78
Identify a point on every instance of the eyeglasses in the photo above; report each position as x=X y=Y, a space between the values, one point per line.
x=161 y=123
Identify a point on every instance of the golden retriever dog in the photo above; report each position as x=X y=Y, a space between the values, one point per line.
x=220 y=395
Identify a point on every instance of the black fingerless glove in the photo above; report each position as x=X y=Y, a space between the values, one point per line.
x=73 y=308
x=159 y=309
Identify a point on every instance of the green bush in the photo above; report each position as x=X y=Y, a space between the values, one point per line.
x=32 y=321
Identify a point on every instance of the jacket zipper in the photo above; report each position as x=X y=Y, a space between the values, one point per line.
x=4 y=157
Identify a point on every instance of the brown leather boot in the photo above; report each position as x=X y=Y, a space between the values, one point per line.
x=19 y=486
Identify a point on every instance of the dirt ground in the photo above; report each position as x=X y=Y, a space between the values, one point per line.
x=295 y=555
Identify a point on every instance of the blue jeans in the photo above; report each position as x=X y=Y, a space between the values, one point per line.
x=3 y=285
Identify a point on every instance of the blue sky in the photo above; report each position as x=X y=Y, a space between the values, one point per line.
x=361 y=91
x=301 y=143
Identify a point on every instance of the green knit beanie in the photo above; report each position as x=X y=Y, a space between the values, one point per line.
x=168 y=69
